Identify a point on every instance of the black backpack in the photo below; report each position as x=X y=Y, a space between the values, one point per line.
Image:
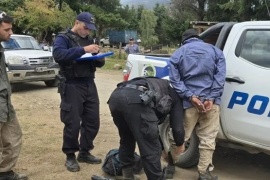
x=112 y=167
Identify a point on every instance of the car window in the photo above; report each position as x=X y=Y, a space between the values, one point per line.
x=10 y=44
x=20 y=42
x=256 y=47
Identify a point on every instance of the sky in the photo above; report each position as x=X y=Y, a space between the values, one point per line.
x=147 y=3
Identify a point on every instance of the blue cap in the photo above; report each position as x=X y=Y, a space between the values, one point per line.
x=88 y=19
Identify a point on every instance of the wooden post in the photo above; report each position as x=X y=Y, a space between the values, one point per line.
x=120 y=50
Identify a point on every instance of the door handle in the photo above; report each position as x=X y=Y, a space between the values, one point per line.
x=235 y=79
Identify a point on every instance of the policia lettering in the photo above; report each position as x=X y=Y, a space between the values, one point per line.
x=256 y=105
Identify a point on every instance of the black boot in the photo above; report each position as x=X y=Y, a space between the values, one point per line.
x=11 y=175
x=207 y=176
x=169 y=171
x=128 y=174
x=71 y=163
x=95 y=177
x=86 y=157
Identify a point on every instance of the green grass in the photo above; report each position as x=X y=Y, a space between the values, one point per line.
x=115 y=59
x=110 y=62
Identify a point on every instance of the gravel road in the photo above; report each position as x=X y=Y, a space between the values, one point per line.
x=41 y=158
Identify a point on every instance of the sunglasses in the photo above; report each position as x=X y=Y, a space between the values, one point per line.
x=2 y=15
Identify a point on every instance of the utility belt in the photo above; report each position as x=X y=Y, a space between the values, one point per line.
x=80 y=81
x=133 y=86
x=156 y=94
x=147 y=95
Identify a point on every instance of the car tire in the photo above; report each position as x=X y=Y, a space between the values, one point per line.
x=191 y=155
x=102 y=44
x=52 y=83
x=13 y=87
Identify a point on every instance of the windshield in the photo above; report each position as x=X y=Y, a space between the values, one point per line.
x=16 y=42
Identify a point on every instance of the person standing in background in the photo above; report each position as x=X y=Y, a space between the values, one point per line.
x=132 y=48
x=10 y=130
x=197 y=73
x=79 y=97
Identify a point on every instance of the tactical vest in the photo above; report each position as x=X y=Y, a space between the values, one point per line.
x=74 y=69
x=162 y=100
x=158 y=92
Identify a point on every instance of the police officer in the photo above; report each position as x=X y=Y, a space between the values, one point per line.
x=137 y=107
x=79 y=97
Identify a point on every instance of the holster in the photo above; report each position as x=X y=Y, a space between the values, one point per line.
x=62 y=84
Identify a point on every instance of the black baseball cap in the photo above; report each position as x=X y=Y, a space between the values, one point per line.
x=190 y=33
x=88 y=20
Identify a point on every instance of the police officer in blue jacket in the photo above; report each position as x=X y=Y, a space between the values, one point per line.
x=79 y=97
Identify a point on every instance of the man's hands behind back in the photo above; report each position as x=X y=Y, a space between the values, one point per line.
x=201 y=107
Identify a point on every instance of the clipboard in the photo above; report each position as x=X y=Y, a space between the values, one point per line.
x=90 y=57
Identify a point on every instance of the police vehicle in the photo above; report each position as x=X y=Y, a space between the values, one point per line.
x=245 y=109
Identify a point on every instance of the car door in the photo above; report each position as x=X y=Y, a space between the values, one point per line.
x=245 y=113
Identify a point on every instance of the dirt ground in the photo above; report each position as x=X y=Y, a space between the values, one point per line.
x=41 y=157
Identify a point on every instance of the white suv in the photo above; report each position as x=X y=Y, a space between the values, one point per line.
x=26 y=61
x=104 y=41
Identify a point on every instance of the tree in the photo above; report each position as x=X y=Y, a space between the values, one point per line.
x=216 y=13
x=105 y=20
x=10 y=5
x=39 y=17
x=178 y=20
x=246 y=10
x=240 y=8
x=132 y=16
x=261 y=9
x=161 y=13
x=195 y=7
x=147 y=26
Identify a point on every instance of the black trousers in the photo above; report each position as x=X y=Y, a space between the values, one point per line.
x=136 y=122
x=80 y=114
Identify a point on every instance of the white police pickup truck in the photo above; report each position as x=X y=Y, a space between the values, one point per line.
x=26 y=61
x=245 y=109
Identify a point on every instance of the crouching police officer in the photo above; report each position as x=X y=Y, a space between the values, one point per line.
x=79 y=97
x=137 y=107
